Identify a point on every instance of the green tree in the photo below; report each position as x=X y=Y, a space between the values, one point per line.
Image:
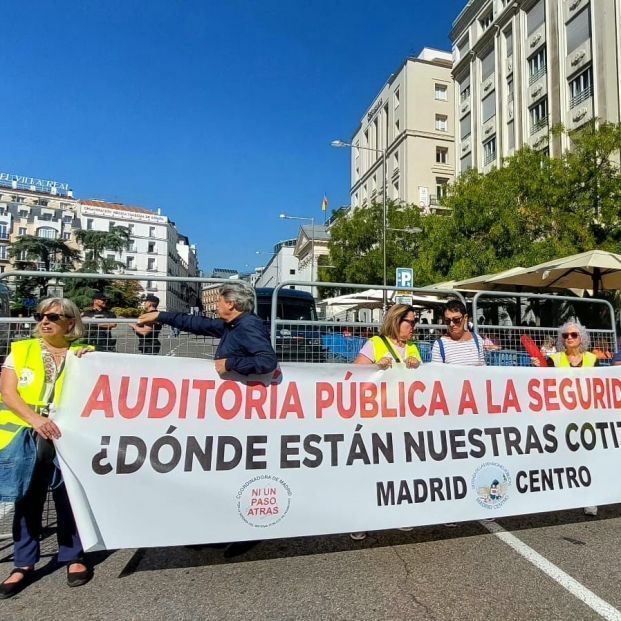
x=356 y=248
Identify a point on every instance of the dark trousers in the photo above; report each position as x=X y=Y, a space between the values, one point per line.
x=29 y=513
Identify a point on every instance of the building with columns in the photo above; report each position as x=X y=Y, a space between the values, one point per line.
x=411 y=122
x=522 y=66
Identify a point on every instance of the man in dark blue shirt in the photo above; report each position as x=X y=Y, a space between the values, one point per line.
x=244 y=343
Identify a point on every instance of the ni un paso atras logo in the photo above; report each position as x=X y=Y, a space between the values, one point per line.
x=263 y=501
x=491 y=482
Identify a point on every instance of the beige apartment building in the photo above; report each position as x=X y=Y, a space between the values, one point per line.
x=522 y=66
x=411 y=123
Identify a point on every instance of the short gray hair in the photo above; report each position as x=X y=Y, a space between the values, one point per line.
x=240 y=293
x=585 y=339
x=69 y=310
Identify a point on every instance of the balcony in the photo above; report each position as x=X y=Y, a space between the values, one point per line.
x=537 y=74
x=539 y=125
x=576 y=100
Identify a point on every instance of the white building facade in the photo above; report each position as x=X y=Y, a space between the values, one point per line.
x=522 y=66
x=411 y=123
x=281 y=266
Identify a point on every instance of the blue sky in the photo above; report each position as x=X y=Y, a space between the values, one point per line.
x=219 y=113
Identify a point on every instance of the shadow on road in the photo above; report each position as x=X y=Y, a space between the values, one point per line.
x=153 y=559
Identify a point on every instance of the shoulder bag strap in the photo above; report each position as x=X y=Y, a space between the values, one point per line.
x=390 y=348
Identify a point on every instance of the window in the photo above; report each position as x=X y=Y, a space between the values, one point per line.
x=487 y=19
x=4 y=254
x=23 y=256
x=488 y=108
x=46 y=216
x=396 y=98
x=89 y=224
x=396 y=126
x=291 y=272
x=510 y=136
x=535 y=17
x=441 y=187
x=41 y=202
x=151 y=285
x=151 y=231
x=466 y=162
x=464 y=90
x=395 y=189
x=151 y=247
x=487 y=66
x=441 y=155
x=538 y=116
x=4 y=231
x=441 y=122
x=111 y=225
x=465 y=127
x=537 y=66
x=509 y=42
x=67 y=218
x=463 y=46
x=66 y=236
x=151 y=265
x=23 y=213
x=441 y=92
x=130 y=228
x=581 y=88
x=489 y=151
x=129 y=263
x=578 y=30
x=46 y=233
x=22 y=230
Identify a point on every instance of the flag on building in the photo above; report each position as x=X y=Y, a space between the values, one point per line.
x=324 y=203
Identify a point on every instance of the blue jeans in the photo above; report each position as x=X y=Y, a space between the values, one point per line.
x=29 y=513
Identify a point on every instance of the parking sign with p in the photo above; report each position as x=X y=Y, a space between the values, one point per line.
x=405 y=277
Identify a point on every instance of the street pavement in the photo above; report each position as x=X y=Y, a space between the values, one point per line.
x=432 y=573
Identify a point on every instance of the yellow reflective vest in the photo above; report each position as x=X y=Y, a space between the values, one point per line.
x=381 y=351
x=561 y=360
x=28 y=363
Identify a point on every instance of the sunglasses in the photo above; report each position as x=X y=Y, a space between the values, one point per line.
x=454 y=321
x=412 y=322
x=54 y=317
x=573 y=335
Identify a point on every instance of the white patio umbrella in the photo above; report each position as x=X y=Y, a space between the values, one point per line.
x=596 y=270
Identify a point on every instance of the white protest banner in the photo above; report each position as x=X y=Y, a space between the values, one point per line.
x=164 y=452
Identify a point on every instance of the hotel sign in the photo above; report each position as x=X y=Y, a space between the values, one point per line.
x=120 y=214
x=32 y=183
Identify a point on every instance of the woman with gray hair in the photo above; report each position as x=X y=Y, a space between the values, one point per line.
x=572 y=347
x=31 y=384
x=244 y=345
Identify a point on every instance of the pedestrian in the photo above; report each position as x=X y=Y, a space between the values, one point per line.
x=572 y=350
x=148 y=335
x=244 y=345
x=458 y=346
x=393 y=347
x=100 y=334
x=30 y=385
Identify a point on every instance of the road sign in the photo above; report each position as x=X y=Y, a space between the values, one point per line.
x=404 y=299
x=405 y=277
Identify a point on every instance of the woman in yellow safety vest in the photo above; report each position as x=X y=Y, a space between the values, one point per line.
x=572 y=347
x=394 y=345
x=30 y=386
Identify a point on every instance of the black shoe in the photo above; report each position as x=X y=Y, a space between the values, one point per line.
x=79 y=578
x=239 y=547
x=8 y=590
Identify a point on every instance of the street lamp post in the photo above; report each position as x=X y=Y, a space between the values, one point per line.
x=341 y=144
x=285 y=216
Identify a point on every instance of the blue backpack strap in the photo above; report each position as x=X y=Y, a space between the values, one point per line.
x=475 y=338
x=441 y=347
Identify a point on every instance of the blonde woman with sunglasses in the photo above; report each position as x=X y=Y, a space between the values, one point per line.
x=30 y=386
x=572 y=345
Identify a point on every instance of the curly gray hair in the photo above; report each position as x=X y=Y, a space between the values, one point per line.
x=240 y=293
x=585 y=339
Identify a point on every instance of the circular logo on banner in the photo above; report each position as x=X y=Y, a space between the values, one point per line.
x=491 y=482
x=263 y=501
x=27 y=377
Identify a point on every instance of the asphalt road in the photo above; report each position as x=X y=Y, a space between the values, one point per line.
x=431 y=573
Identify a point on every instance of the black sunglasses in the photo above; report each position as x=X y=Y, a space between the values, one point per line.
x=454 y=320
x=574 y=335
x=54 y=317
x=412 y=322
